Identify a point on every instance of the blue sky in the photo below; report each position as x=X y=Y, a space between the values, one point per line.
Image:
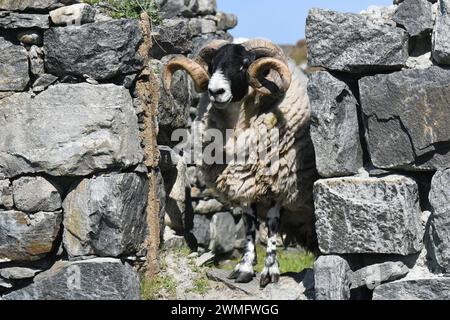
x=283 y=21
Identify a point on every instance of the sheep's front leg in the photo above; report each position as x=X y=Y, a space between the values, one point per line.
x=271 y=272
x=243 y=272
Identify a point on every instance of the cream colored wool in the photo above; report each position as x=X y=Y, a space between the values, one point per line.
x=293 y=174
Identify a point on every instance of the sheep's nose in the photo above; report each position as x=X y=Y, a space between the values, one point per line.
x=216 y=92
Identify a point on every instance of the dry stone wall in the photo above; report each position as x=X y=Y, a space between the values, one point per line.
x=74 y=178
x=380 y=105
x=73 y=186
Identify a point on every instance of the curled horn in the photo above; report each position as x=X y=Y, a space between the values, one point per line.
x=196 y=68
x=269 y=57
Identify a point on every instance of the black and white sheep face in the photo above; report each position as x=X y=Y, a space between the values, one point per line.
x=229 y=80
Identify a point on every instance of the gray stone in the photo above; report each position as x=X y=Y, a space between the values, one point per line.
x=201 y=26
x=187 y=8
x=220 y=275
x=36 y=55
x=206 y=7
x=172 y=240
x=441 y=34
x=332 y=276
x=368 y=215
x=33 y=194
x=17 y=273
x=380 y=14
x=440 y=219
x=374 y=275
x=22 y=5
x=173 y=108
x=223 y=233
x=205 y=258
x=173 y=36
x=71 y=130
x=415 y=289
x=292 y=286
x=334 y=126
x=353 y=43
x=226 y=21
x=95 y=279
x=6 y=196
x=102 y=50
x=12 y=20
x=26 y=237
x=208 y=206
x=416 y=16
x=76 y=14
x=13 y=67
x=423 y=61
x=43 y=82
x=30 y=37
x=413 y=133
x=105 y=215
x=200 y=41
x=201 y=230
x=5 y=284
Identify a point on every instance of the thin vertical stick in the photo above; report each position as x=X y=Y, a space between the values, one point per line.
x=147 y=89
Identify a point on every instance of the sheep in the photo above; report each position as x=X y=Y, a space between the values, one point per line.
x=253 y=89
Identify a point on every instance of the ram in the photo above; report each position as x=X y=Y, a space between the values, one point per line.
x=253 y=90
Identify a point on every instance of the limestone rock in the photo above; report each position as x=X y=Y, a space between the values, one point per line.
x=440 y=219
x=43 y=82
x=173 y=37
x=346 y=42
x=208 y=206
x=6 y=196
x=376 y=274
x=226 y=21
x=22 y=5
x=413 y=133
x=68 y=130
x=416 y=16
x=33 y=194
x=334 y=126
x=105 y=215
x=223 y=233
x=415 y=289
x=95 y=279
x=441 y=33
x=201 y=230
x=17 y=273
x=12 y=20
x=26 y=237
x=332 y=276
x=13 y=67
x=205 y=258
x=36 y=55
x=76 y=14
x=368 y=215
x=173 y=109
x=5 y=284
x=102 y=50
x=30 y=37
x=202 y=26
x=380 y=14
x=173 y=8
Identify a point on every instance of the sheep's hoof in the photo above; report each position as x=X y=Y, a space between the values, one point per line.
x=267 y=278
x=244 y=277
